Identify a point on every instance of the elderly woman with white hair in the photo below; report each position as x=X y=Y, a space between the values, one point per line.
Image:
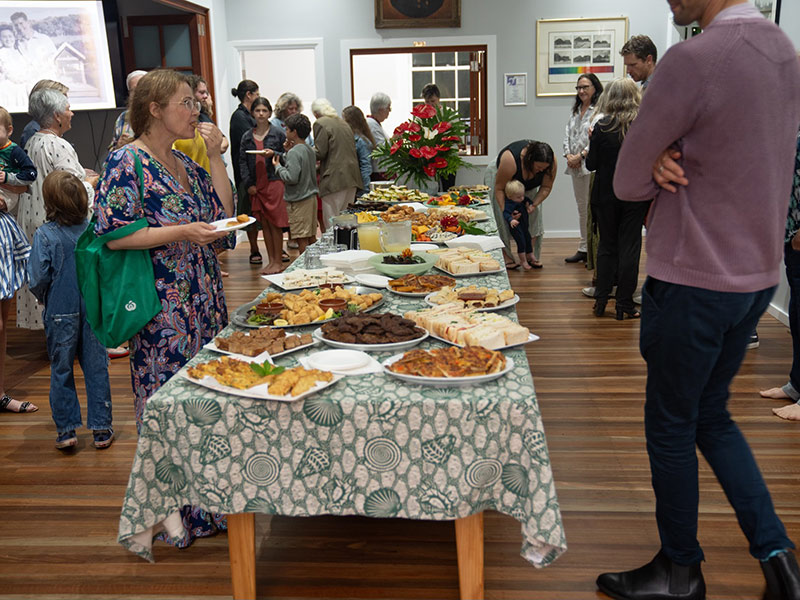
x=339 y=173
x=380 y=105
x=49 y=152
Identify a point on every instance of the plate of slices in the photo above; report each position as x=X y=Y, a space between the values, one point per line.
x=234 y=223
x=236 y=377
x=385 y=332
x=448 y=367
x=242 y=345
x=476 y=303
x=419 y=286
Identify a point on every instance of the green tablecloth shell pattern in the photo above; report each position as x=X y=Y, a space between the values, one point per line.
x=369 y=445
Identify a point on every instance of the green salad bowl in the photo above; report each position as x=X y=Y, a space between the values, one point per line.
x=376 y=262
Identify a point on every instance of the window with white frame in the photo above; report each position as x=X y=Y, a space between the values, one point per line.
x=458 y=71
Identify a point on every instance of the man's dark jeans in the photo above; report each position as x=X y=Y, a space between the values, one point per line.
x=694 y=341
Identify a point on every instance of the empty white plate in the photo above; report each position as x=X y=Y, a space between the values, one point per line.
x=423 y=247
x=376 y=281
x=338 y=360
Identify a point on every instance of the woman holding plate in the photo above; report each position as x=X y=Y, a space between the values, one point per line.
x=177 y=200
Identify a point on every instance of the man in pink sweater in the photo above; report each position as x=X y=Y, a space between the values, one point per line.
x=714 y=145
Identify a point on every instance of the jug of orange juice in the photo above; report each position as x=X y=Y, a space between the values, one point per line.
x=369 y=236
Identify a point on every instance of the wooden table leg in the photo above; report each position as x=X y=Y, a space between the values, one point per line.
x=469 y=546
x=242 y=551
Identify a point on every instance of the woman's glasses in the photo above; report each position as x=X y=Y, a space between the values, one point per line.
x=582 y=87
x=189 y=104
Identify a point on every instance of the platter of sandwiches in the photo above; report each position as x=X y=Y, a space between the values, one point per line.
x=465 y=262
x=238 y=378
x=451 y=366
x=478 y=298
x=460 y=326
x=308 y=278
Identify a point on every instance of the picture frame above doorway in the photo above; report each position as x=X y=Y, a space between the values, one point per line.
x=567 y=48
x=394 y=14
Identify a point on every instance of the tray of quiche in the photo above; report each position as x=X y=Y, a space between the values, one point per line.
x=250 y=379
x=308 y=307
x=453 y=324
x=478 y=298
x=261 y=344
x=385 y=332
x=450 y=366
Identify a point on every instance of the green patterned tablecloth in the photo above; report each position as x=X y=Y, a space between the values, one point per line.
x=369 y=445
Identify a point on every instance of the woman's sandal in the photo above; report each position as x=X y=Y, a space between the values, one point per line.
x=255 y=258
x=513 y=266
x=627 y=313
x=8 y=404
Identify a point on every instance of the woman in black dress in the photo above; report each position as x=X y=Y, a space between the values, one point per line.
x=242 y=121
x=619 y=223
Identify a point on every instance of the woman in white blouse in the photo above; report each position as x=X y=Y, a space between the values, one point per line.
x=50 y=152
x=576 y=147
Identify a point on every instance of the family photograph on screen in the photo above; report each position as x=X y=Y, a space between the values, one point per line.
x=64 y=41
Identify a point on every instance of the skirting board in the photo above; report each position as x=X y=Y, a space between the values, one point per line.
x=779 y=313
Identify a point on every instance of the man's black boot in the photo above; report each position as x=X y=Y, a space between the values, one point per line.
x=783 y=577
x=660 y=579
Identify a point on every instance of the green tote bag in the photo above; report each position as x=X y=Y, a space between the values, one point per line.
x=118 y=286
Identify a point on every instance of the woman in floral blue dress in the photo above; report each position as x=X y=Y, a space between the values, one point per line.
x=180 y=200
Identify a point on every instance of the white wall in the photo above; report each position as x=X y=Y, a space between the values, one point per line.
x=513 y=22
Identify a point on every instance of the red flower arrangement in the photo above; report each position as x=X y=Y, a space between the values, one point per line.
x=424 y=147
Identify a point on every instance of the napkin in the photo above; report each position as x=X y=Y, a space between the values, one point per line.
x=373 y=366
x=481 y=242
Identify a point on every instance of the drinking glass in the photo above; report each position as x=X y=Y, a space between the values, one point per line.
x=312 y=254
x=396 y=236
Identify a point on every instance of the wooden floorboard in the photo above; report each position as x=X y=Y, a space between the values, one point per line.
x=58 y=537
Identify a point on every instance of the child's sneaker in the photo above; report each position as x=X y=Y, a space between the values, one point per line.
x=103 y=438
x=66 y=440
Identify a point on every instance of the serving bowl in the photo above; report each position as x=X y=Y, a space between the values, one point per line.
x=376 y=262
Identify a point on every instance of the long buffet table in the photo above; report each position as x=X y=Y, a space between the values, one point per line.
x=369 y=445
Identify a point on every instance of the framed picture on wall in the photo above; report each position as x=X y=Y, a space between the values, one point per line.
x=567 y=48
x=417 y=13
x=515 y=89
x=771 y=9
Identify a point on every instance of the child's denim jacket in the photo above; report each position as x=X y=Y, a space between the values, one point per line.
x=51 y=269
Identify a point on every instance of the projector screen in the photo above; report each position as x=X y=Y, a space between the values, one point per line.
x=64 y=40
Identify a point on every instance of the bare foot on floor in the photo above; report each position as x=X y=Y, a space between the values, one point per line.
x=272 y=269
x=526 y=266
x=790 y=413
x=775 y=393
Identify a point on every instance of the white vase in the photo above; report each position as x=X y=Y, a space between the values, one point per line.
x=429 y=186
